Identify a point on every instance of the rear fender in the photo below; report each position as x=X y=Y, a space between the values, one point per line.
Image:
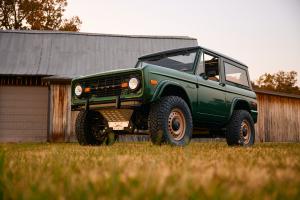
x=239 y=103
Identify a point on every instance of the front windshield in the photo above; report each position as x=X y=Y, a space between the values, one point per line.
x=183 y=61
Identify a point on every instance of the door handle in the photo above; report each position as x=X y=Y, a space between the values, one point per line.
x=222 y=84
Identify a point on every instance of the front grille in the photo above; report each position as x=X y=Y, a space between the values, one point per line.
x=107 y=86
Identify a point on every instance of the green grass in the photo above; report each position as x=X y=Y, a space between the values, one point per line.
x=143 y=171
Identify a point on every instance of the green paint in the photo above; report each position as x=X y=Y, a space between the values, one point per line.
x=211 y=103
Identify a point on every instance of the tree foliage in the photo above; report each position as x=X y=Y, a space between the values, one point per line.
x=280 y=81
x=36 y=15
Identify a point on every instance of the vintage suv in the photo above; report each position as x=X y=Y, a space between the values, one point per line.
x=169 y=95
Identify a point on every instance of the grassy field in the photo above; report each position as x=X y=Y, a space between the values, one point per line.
x=143 y=171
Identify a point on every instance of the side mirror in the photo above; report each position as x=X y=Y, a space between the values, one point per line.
x=211 y=73
x=203 y=75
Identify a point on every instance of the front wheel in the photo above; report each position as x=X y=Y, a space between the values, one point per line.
x=240 y=130
x=90 y=129
x=170 y=121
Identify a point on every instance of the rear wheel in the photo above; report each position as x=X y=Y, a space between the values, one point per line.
x=170 y=121
x=240 y=130
x=90 y=129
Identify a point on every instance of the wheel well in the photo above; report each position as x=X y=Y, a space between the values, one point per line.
x=242 y=105
x=172 y=90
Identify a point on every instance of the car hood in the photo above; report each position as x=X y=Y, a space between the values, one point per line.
x=116 y=71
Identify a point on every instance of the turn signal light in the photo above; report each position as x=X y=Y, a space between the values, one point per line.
x=153 y=82
x=87 y=90
x=124 y=85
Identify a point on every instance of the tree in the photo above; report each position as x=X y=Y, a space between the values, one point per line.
x=280 y=81
x=36 y=15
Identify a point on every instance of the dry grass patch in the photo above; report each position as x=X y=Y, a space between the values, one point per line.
x=143 y=171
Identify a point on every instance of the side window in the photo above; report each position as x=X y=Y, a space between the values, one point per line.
x=211 y=67
x=235 y=74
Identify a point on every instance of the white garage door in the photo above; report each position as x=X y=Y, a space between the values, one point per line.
x=23 y=114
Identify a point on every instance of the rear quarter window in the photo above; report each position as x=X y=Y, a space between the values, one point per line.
x=236 y=75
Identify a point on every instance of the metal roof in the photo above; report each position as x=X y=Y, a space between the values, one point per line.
x=70 y=54
x=171 y=51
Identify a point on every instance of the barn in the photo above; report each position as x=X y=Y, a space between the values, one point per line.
x=36 y=68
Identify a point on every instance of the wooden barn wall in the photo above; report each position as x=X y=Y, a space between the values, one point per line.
x=61 y=122
x=278 y=119
x=72 y=137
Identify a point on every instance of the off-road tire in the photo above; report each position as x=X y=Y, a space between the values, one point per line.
x=84 y=128
x=158 y=121
x=234 y=135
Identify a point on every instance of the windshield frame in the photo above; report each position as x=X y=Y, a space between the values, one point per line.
x=169 y=54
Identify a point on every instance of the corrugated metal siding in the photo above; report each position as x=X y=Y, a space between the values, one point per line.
x=23 y=113
x=73 y=54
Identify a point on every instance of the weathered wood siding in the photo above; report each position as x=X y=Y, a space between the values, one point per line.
x=62 y=119
x=72 y=137
x=60 y=115
x=278 y=119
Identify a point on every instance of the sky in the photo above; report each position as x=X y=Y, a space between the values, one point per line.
x=263 y=34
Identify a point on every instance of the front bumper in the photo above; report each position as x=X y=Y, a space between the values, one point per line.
x=118 y=103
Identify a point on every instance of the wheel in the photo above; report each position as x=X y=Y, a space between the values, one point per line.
x=170 y=121
x=89 y=128
x=240 y=130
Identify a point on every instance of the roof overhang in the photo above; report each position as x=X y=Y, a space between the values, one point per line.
x=58 y=79
x=275 y=93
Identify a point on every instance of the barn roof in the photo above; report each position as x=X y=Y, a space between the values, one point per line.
x=275 y=93
x=70 y=54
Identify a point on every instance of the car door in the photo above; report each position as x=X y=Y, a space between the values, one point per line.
x=212 y=108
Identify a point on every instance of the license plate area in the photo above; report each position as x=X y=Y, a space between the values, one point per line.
x=117 y=119
x=118 y=126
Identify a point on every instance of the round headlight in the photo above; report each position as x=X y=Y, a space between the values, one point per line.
x=133 y=83
x=78 y=90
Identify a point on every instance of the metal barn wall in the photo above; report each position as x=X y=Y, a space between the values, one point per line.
x=278 y=118
x=23 y=113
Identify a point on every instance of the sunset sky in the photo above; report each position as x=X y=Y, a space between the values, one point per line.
x=264 y=34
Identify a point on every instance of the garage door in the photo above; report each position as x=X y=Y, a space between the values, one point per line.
x=23 y=114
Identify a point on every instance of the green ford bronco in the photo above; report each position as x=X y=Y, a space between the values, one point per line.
x=170 y=95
